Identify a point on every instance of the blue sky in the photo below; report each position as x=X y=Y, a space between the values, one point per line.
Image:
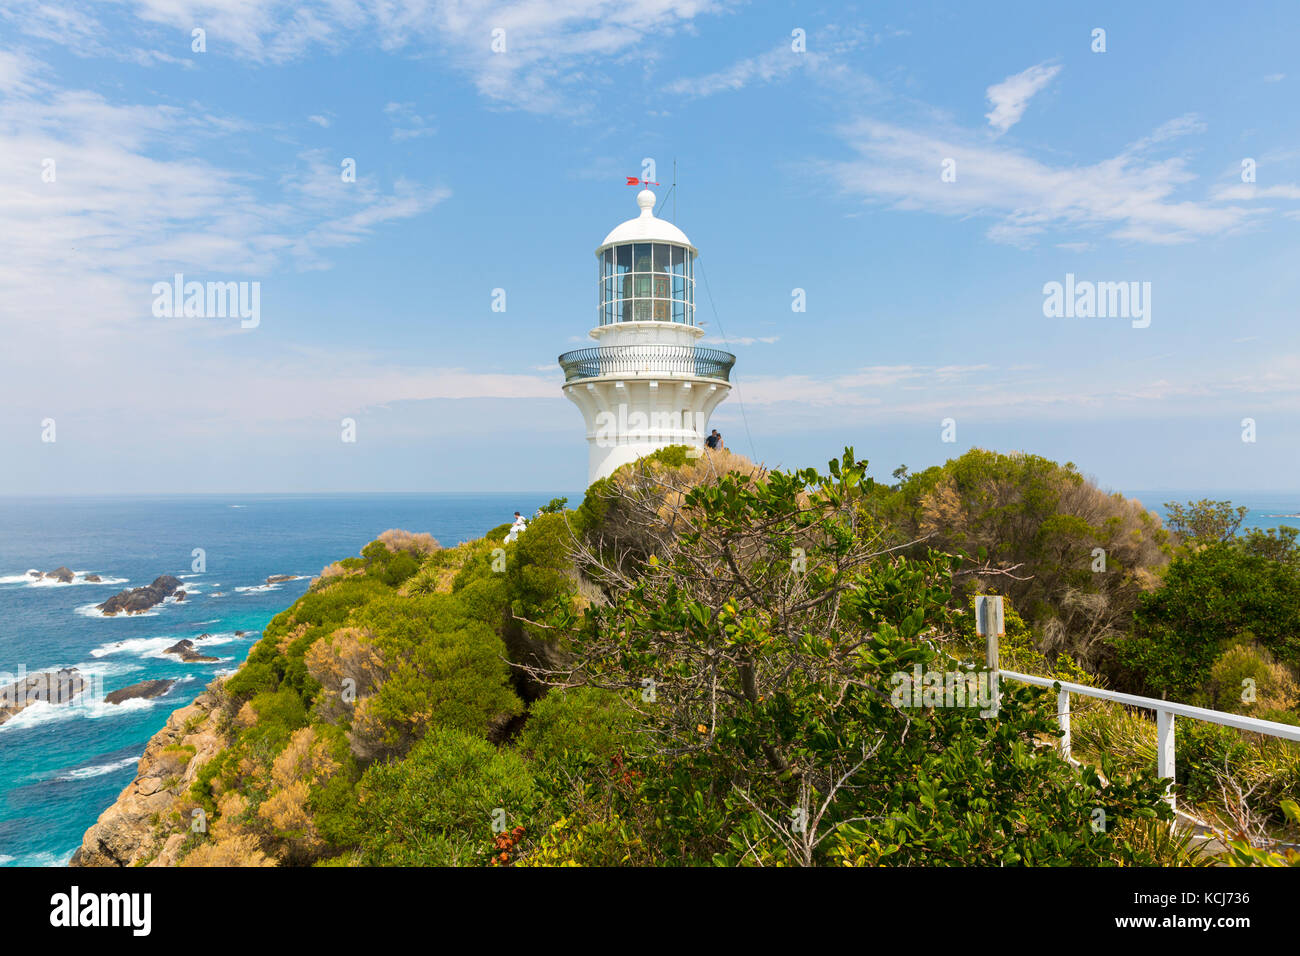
x=818 y=169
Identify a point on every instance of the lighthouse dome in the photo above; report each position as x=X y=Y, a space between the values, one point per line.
x=646 y=227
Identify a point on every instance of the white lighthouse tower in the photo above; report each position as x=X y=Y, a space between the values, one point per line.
x=646 y=384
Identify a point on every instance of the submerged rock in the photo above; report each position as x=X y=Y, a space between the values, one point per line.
x=145 y=690
x=53 y=687
x=186 y=652
x=139 y=600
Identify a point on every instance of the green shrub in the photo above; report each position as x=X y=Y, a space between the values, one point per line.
x=441 y=667
x=435 y=807
x=583 y=723
x=1200 y=751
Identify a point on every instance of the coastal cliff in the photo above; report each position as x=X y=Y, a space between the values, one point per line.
x=657 y=676
x=129 y=833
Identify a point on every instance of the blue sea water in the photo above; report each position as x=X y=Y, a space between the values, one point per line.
x=62 y=765
x=1268 y=509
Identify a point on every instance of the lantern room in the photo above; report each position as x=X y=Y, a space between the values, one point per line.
x=647 y=271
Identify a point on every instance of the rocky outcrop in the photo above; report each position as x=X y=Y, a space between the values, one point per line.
x=180 y=596
x=138 y=827
x=53 y=687
x=139 y=600
x=61 y=574
x=93 y=579
x=145 y=690
x=277 y=578
x=186 y=652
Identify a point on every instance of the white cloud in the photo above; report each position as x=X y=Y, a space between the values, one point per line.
x=17 y=71
x=743 y=340
x=407 y=123
x=1254 y=191
x=1010 y=97
x=550 y=47
x=1132 y=194
x=321 y=120
x=824 y=58
x=131 y=204
x=764 y=68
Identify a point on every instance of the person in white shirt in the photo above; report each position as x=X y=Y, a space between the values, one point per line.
x=519 y=525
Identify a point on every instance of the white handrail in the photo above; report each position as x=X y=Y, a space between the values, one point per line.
x=1252 y=724
x=1165 y=712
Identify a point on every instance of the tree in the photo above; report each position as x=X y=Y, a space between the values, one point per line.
x=1205 y=521
x=1078 y=558
x=1211 y=597
x=765 y=627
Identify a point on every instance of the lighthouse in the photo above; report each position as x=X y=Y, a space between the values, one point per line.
x=647 y=383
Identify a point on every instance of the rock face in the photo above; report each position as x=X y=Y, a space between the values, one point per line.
x=62 y=575
x=145 y=690
x=139 y=600
x=54 y=687
x=186 y=652
x=125 y=834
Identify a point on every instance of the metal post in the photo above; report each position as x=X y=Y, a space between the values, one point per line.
x=1165 y=750
x=1063 y=716
x=989 y=624
x=991 y=661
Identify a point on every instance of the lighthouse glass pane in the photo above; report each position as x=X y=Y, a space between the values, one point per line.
x=679 y=287
x=641 y=257
x=661 y=310
x=678 y=267
x=607 y=263
x=679 y=310
x=624 y=259
x=663 y=257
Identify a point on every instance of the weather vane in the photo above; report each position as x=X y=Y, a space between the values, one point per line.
x=633 y=181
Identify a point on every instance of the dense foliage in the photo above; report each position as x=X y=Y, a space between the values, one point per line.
x=701 y=665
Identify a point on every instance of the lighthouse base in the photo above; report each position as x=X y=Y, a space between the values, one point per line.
x=629 y=418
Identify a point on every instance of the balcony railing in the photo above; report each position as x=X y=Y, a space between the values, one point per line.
x=644 y=361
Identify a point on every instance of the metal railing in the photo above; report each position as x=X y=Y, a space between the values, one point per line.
x=647 y=360
x=1165 y=710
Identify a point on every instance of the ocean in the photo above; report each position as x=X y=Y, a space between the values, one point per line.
x=62 y=765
